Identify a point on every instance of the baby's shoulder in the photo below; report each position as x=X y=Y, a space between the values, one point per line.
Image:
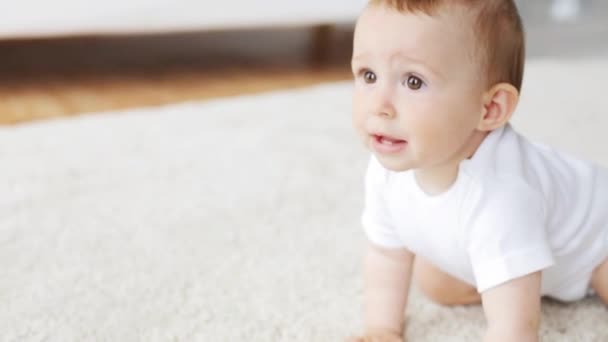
x=502 y=197
x=496 y=187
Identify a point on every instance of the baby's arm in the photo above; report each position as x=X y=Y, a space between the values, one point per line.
x=513 y=310
x=387 y=274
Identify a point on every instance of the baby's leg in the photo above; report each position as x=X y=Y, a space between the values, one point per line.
x=441 y=287
x=599 y=281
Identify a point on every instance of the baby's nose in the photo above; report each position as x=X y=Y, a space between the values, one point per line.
x=383 y=103
x=385 y=108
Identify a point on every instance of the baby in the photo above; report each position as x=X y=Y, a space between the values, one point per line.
x=452 y=190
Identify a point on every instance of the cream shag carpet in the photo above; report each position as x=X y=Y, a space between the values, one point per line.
x=232 y=220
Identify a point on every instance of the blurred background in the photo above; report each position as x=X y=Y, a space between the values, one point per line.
x=77 y=58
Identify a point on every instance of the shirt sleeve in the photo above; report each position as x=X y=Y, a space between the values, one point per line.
x=376 y=218
x=508 y=237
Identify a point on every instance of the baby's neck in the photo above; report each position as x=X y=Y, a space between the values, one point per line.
x=438 y=179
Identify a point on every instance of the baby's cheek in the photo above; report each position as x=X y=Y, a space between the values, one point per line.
x=358 y=119
x=363 y=135
x=427 y=142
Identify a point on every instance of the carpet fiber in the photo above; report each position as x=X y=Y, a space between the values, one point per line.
x=232 y=220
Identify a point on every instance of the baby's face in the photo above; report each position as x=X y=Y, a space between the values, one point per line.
x=418 y=95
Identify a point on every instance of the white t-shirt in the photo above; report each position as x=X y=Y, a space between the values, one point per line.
x=516 y=208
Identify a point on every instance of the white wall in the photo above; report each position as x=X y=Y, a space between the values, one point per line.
x=35 y=18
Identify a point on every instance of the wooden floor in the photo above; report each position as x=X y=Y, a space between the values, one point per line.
x=54 y=78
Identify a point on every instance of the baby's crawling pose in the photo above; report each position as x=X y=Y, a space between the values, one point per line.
x=485 y=215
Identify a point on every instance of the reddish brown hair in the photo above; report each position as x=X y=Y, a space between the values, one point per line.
x=497 y=27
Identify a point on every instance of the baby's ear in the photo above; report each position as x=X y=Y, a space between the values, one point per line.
x=498 y=106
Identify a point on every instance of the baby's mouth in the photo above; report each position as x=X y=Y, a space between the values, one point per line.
x=385 y=144
x=385 y=140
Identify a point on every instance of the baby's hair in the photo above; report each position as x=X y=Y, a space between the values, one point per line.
x=498 y=30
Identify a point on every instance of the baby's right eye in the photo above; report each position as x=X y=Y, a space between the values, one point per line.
x=370 y=77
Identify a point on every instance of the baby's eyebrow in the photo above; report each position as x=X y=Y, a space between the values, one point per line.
x=399 y=56
x=358 y=57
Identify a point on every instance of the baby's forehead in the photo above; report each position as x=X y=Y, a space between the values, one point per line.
x=440 y=25
x=446 y=12
x=488 y=33
x=440 y=38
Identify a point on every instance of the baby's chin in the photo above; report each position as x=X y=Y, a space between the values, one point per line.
x=394 y=163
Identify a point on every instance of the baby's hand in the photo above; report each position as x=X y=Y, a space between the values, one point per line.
x=382 y=336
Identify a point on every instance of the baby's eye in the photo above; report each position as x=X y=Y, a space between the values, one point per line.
x=414 y=83
x=370 y=77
